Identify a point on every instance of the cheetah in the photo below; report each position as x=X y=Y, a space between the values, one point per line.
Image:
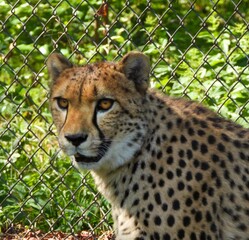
x=171 y=168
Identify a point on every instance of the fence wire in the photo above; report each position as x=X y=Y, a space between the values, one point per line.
x=198 y=50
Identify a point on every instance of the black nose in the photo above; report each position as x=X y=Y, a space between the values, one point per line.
x=76 y=139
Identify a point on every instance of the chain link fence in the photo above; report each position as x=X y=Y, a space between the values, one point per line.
x=198 y=50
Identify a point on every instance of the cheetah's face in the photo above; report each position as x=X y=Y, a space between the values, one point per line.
x=98 y=109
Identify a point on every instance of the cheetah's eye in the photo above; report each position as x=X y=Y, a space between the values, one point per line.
x=62 y=103
x=104 y=104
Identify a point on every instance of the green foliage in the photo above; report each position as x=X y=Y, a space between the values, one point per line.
x=197 y=51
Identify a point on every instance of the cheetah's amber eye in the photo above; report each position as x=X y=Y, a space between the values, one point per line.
x=105 y=104
x=62 y=103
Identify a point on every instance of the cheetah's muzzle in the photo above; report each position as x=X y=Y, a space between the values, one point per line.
x=104 y=146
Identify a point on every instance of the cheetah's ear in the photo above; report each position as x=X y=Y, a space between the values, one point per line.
x=136 y=67
x=56 y=64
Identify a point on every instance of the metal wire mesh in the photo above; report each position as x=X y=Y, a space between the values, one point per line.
x=198 y=49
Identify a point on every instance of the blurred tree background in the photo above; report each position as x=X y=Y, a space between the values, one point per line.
x=198 y=50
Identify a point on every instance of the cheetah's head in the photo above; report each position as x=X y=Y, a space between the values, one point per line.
x=98 y=109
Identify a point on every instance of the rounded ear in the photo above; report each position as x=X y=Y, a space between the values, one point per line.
x=136 y=67
x=56 y=64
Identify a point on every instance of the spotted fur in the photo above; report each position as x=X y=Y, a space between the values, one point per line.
x=171 y=168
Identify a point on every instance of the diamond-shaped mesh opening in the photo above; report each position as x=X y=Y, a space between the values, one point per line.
x=198 y=50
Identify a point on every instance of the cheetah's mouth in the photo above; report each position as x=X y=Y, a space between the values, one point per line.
x=85 y=159
x=104 y=146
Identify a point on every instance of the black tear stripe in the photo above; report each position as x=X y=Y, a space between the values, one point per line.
x=65 y=120
x=101 y=135
x=105 y=144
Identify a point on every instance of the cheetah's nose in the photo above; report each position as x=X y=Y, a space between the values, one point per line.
x=76 y=139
